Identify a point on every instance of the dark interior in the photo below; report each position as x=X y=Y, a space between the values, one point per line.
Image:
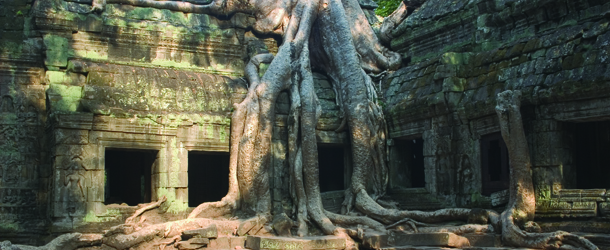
x=416 y=162
x=591 y=149
x=408 y=155
x=128 y=176
x=494 y=163
x=208 y=175
x=332 y=168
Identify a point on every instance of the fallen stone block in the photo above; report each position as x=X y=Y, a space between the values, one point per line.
x=208 y=232
x=199 y=241
x=185 y=245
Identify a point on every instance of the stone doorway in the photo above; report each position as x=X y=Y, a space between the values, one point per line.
x=591 y=146
x=208 y=176
x=407 y=165
x=331 y=160
x=128 y=176
x=494 y=163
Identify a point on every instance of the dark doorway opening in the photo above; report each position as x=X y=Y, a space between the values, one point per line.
x=494 y=163
x=331 y=160
x=416 y=165
x=128 y=175
x=208 y=176
x=591 y=148
x=408 y=163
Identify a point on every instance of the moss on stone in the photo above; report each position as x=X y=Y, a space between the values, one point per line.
x=11 y=49
x=64 y=98
x=58 y=50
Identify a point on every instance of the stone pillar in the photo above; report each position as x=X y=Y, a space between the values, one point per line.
x=548 y=158
x=78 y=175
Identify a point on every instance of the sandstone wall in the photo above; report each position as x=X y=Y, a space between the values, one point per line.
x=460 y=54
x=24 y=170
x=74 y=84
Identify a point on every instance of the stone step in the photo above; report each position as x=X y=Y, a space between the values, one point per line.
x=224 y=242
x=378 y=240
x=318 y=242
x=448 y=248
x=402 y=238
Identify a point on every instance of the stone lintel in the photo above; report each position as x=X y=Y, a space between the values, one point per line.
x=138 y=126
x=76 y=121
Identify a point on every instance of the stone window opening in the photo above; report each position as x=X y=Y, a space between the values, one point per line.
x=128 y=176
x=590 y=147
x=208 y=176
x=494 y=164
x=407 y=165
x=331 y=160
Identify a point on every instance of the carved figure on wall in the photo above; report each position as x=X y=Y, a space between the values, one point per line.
x=12 y=170
x=74 y=186
x=74 y=181
x=7 y=104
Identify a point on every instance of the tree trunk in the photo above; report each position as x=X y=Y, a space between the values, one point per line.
x=522 y=204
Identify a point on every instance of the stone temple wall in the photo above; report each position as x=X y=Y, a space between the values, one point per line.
x=460 y=54
x=74 y=84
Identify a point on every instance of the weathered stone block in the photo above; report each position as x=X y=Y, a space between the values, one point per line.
x=64 y=98
x=220 y=243
x=182 y=194
x=375 y=241
x=178 y=179
x=58 y=50
x=237 y=242
x=93 y=23
x=207 y=232
x=74 y=121
x=65 y=78
x=162 y=180
x=556 y=208
x=500 y=198
x=401 y=238
x=320 y=242
x=582 y=195
x=97 y=208
x=95 y=193
x=71 y=136
x=604 y=209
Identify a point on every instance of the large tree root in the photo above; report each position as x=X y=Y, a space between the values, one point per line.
x=522 y=203
x=140 y=211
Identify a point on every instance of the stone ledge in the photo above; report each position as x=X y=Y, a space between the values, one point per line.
x=400 y=238
x=318 y=242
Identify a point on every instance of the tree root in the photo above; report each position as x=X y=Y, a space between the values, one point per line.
x=214 y=209
x=140 y=211
x=339 y=219
x=412 y=223
x=68 y=241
